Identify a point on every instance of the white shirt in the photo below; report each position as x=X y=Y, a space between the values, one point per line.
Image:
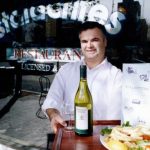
x=104 y=81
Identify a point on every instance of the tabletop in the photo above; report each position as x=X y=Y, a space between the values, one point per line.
x=69 y=140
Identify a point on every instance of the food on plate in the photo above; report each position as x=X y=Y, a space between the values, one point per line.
x=128 y=138
x=116 y=145
x=105 y=131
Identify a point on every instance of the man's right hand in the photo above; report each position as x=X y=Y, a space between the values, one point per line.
x=55 y=118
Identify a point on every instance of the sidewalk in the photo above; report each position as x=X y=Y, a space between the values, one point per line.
x=20 y=128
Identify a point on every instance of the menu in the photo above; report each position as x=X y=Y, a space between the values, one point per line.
x=136 y=93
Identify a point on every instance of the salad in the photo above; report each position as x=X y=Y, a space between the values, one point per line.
x=126 y=137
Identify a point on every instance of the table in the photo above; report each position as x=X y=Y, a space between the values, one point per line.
x=69 y=140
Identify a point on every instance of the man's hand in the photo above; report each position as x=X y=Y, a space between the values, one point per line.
x=55 y=118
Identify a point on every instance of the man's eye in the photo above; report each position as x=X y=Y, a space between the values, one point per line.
x=83 y=41
x=95 y=40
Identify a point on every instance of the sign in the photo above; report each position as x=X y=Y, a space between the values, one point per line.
x=78 y=10
x=44 y=54
x=136 y=93
x=31 y=67
x=41 y=60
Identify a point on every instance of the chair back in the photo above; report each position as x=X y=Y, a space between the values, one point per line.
x=44 y=84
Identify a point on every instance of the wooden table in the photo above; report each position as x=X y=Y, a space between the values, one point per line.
x=68 y=140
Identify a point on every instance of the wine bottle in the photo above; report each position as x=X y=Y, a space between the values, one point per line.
x=83 y=106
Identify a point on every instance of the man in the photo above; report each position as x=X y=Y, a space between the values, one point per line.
x=104 y=80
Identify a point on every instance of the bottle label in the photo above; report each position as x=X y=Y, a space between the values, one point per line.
x=81 y=118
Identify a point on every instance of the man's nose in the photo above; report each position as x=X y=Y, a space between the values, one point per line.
x=89 y=44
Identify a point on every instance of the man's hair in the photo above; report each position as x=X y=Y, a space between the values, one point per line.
x=90 y=25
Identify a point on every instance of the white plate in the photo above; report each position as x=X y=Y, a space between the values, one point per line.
x=103 y=142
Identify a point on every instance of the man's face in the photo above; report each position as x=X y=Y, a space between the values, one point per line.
x=93 y=44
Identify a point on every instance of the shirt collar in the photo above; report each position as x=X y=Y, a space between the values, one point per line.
x=103 y=63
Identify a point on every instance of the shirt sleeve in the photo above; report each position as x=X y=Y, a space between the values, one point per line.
x=54 y=98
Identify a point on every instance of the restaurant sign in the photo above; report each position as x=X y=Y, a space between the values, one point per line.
x=44 y=54
x=78 y=11
x=41 y=60
x=31 y=67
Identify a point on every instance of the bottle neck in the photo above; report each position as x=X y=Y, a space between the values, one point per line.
x=83 y=80
x=82 y=72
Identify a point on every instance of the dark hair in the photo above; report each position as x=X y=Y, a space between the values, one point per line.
x=90 y=25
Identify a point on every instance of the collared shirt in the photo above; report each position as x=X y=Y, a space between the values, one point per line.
x=104 y=82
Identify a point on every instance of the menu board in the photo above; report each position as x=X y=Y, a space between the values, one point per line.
x=136 y=93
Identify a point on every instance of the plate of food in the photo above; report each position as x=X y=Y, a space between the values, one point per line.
x=126 y=137
x=102 y=140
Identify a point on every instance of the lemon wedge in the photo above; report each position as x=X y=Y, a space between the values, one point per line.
x=116 y=145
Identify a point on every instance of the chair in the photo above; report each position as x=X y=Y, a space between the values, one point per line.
x=44 y=86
